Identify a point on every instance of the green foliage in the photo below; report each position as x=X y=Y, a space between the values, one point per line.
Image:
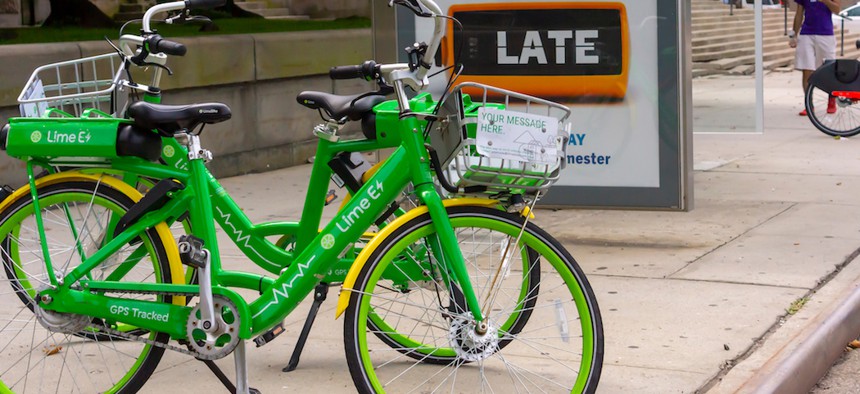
x=225 y=26
x=796 y=306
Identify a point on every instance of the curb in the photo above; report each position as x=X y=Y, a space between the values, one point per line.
x=797 y=368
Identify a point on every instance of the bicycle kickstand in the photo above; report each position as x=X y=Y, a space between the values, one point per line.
x=320 y=293
x=241 y=373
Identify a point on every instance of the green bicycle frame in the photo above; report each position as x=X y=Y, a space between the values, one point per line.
x=316 y=252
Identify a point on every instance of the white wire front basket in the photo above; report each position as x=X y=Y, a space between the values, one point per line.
x=71 y=87
x=505 y=142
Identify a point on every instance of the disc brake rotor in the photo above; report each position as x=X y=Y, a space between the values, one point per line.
x=468 y=344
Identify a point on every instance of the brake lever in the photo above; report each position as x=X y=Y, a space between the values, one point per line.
x=146 y=64
x=178 y=19
x=115 y=48
x=185 y=16
x=200 y=19
x=411 y=5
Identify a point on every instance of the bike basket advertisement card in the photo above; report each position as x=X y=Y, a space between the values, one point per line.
x=599 y=58
x=516 y=136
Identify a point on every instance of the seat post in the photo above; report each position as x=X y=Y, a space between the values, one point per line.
x=195 y=149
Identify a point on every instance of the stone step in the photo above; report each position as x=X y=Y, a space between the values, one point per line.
x=744 y=10
x=747 y=47
x=728 y=38
x=251 y=6
x=279 y=3
x=127 y=16
x=270 y=9
x=703 y=36
x=712 y=43
x=131 y=8
x=290 y=17
x=712 y=18
x=772 y=60
x=769 y=17
x=273 y=12
x=729 y=49
x=10 y=20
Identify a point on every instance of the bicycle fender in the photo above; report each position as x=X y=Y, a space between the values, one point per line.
x=361 y=260
x=176 y=271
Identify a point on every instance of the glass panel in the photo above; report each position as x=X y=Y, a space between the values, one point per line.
x=723 y=51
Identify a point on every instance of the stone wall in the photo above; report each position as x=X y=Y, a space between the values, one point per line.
x=330 y=8
x=9 y=13
x=258 y=76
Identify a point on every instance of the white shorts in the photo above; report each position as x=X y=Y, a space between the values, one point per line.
x=812 y=50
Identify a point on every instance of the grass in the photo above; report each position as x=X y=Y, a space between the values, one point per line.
x=29 y=35
x=797 y=305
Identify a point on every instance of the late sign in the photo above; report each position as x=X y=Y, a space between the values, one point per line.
x=571 y=50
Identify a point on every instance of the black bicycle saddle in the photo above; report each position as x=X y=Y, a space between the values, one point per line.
x=169 y=119
x=352 y=107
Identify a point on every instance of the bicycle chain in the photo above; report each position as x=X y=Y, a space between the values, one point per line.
x=138 y=338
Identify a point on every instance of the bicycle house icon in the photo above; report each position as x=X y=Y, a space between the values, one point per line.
x=532 y=149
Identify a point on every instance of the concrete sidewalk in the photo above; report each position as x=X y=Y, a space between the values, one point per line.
x=691 y=301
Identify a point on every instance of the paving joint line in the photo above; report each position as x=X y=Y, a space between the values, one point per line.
x=790 y=206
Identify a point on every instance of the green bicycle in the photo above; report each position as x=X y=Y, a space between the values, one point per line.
x=104 y=84
x=439 y=293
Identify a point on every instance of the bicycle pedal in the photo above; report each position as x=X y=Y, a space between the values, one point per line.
x=191 y=251
x=270 y=335
x=330 y=197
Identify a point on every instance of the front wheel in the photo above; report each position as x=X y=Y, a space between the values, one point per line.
x=543 y=329
x=835 y=116
x=43 y=352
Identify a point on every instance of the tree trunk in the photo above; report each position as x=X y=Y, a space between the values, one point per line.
x=77 y=13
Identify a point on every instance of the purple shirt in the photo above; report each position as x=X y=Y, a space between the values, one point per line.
x=817 y=18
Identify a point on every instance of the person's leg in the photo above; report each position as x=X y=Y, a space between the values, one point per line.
x=825 y=49
x=804 y=60
x=806 y=75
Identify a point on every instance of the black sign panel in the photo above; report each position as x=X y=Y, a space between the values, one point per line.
x=540 y=42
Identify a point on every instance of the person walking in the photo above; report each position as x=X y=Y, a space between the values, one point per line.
x=815 y=40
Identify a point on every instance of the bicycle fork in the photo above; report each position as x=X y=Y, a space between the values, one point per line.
x=425 y=189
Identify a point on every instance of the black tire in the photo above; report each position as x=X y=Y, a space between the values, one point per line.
x=437 y=332
x=844 y=122
x=87 y=356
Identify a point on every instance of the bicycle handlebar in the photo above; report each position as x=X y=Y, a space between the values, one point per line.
x=368 y=70
x=161 y=45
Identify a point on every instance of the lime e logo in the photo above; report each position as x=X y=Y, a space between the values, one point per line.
x=327 y=241
x=36 y=136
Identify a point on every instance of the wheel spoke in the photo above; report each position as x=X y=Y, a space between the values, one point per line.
x=535 y=339
x=36 y=356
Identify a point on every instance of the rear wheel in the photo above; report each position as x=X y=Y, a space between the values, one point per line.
x=49 y=352
x=543 y=331
x=835 y=116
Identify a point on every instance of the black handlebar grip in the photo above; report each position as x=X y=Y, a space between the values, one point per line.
x=345 y=72
x=204 y=3
x=169 y=47
x=368 y=70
